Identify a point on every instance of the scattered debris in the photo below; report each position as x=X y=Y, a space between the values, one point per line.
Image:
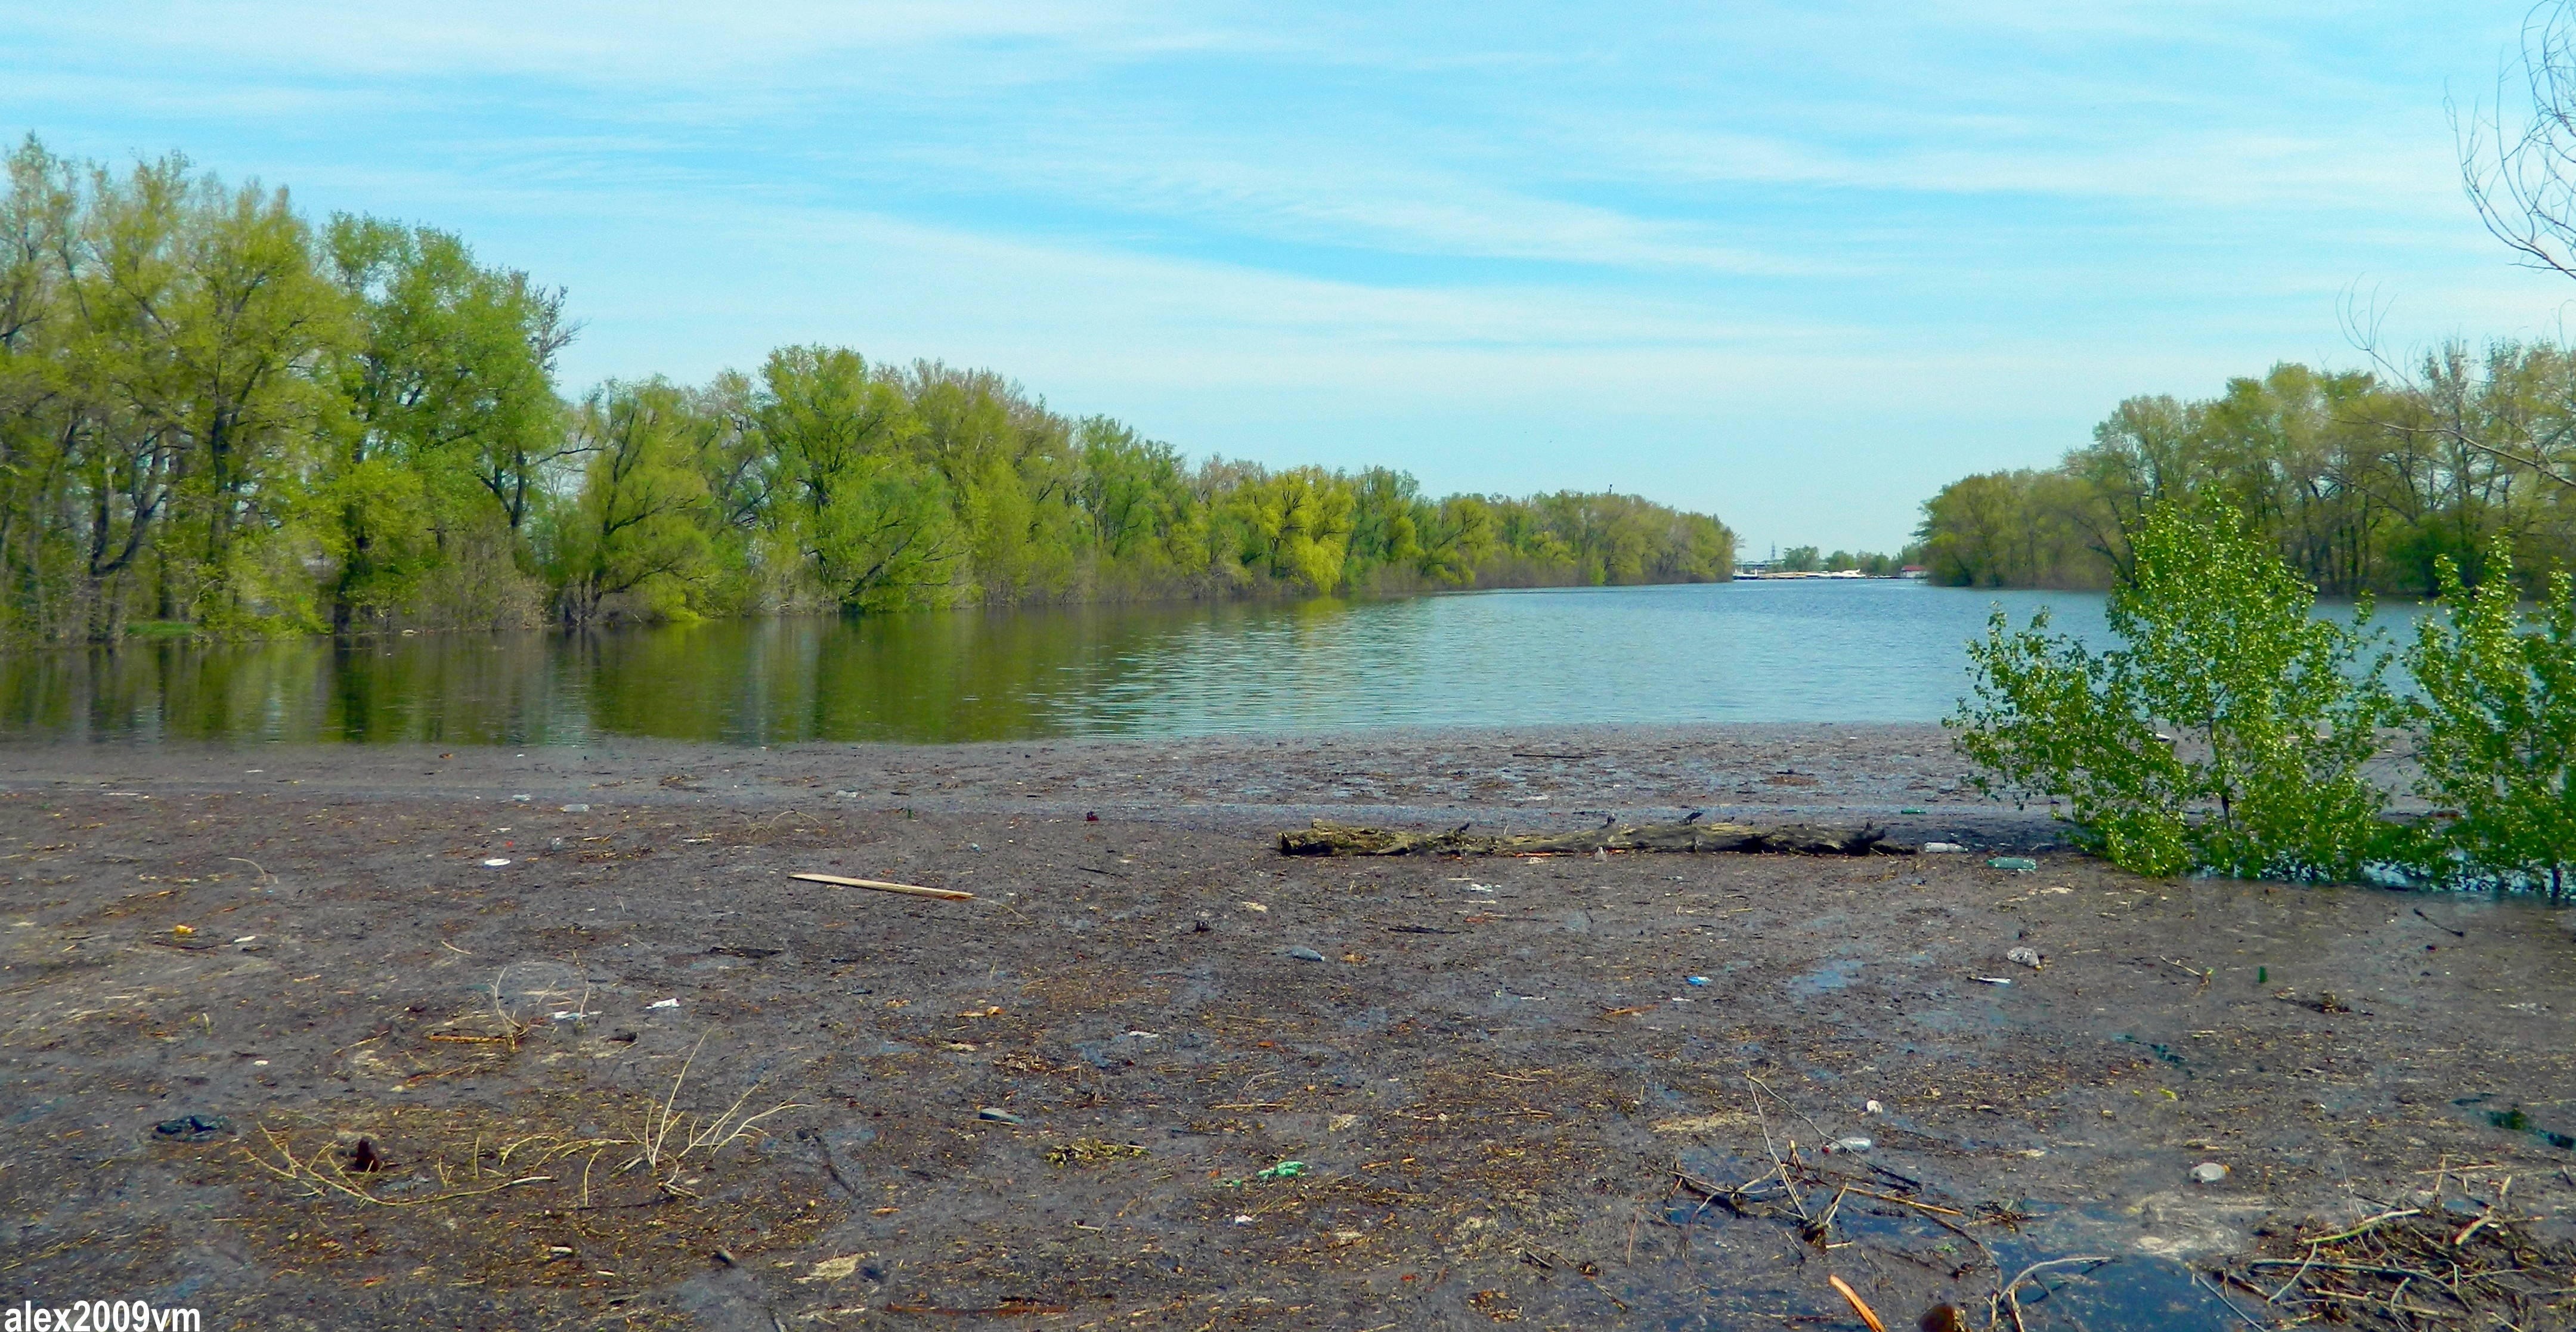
x=2028 y=957
x=1942 y=848
x=2415 y=1264
x=1283 y=1170
x=2014 y=864
x=1991 y=980
x=2208 y=1172
x=1851 y=1144
x=193 y=1128
x=496 y=862
x=1695 y=980
x=576 y=809
x=663 y=1003
x=996 y=1115
x=1087 y=1151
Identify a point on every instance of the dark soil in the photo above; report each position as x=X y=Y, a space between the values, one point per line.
x=425 y=1088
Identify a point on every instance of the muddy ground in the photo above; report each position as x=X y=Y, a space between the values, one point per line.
x=638 y=1076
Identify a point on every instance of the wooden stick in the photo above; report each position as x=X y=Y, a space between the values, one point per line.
x=907 y=889
x=1858 y=1306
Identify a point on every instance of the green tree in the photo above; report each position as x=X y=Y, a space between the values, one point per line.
x=1297 y=525
x=2496 y=729
x=2274 y=712
x=858 y=500
x=451 y=416
x=637 y=528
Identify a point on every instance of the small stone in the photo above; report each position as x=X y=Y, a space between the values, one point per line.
x=2208 y=1172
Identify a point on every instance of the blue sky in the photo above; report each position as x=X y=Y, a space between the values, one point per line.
x=1795 y=264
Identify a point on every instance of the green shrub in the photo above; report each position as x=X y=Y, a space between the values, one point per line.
x=2271 y=714
x=2496 y=730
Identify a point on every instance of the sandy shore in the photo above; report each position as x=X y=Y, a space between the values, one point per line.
x=1503 y=1082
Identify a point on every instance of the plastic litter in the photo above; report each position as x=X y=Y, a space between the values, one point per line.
x=2016 y=864
x=1243 y=1220
x=2208 y=1172
x=1854 y=1144
x=996 y=1115
x=1873 y=1108
x=1942 y=848
x=1283 y=1170
x=1991 y=980
x=1698 y=980
x=1909 y=811
x=1304 y=954
x=576 y=809
x=663 y=1003
x=193 y=1128
x=2028 y=957
x=496 y=862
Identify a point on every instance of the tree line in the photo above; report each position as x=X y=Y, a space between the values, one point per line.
x=2359 y=481
x=217 y=414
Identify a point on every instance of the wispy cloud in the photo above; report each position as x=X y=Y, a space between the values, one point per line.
x=1686 y=245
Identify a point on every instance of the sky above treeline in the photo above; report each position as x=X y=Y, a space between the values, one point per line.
x=1794 y=264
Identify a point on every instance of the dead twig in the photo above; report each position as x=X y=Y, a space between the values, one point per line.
x=2008 y=1299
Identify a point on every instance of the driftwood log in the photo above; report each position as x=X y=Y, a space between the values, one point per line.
x=1327 y=838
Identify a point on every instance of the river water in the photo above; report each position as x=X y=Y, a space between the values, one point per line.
x=1776 y=651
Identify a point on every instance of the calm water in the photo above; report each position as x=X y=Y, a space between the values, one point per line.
x=1845 y=651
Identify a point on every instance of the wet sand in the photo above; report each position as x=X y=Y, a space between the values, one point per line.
x=1489 y=1071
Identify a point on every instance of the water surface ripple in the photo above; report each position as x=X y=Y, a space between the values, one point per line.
x=1804 y=651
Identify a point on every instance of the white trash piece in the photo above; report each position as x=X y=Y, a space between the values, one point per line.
x=1942 y=848
x=1849 y=1145
x=2028 y=957
x=663 y=1003
x=496 y=862
x=2208 y=1172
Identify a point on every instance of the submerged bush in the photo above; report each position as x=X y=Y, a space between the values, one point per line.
x=2227 y=735
x=2496 y=730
